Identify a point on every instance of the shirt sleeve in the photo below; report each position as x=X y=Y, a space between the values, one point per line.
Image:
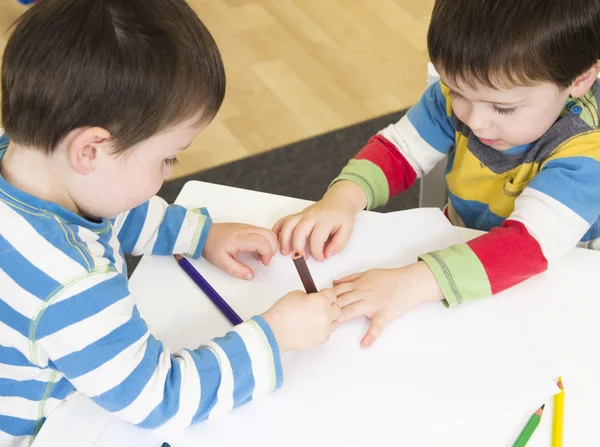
x=95 y=336
x=160 y=229
x=551 y=215
x=393 y=159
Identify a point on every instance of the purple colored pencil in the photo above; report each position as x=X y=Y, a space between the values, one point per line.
x=208 y=290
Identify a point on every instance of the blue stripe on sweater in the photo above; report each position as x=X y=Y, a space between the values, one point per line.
x=475 y=215
x=62 y=237
x=132 y=227
x=574 y=182
x=130 y=388
x=98 y=353
x=169 y=230
x=34 y=389
x=12 y=356
x=81 y=306
x=274 y=347
x=14 y=319
x=243 y=378
x=21 y=271
x=431 y=121
x=170 y=404
x=210 y=379
x=17 y=426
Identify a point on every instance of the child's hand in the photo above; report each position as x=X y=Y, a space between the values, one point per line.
x=383 y=295
x=226 y=240
x=301 y=321
x=328 y=223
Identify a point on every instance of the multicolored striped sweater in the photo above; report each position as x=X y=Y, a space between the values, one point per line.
x=68 y=322
x=537 y=201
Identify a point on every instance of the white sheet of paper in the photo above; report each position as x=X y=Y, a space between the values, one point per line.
x=431 y=369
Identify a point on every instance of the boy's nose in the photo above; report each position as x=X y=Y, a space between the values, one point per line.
x=478 y=123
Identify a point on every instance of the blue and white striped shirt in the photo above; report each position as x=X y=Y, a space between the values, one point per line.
x=69 y=323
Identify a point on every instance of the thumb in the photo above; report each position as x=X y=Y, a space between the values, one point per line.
x=379 y=321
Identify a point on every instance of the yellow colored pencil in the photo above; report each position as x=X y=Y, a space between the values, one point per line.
x=558 y=417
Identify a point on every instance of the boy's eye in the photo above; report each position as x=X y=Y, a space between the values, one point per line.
x=454 y=95
x=504 y=111
x=171 y=161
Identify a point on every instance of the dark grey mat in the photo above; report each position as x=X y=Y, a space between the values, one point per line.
x=303 y=169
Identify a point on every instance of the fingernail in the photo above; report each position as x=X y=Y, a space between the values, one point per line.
x=249 y=276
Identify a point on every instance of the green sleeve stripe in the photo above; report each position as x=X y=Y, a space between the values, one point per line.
x=459 y=273
x=370 y=178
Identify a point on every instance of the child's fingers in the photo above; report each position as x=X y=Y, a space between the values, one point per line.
x=338 y=241
x=318 y=238
x=265 y=260
x=255 y=243
x=236 y=268
x=349 y=298
x=279 y=225
x=329 y=295
x=349 y=278
x=301 y=234
x=285 y=234
x=270 y=237
x=334 y=312
x=355 y=310
x=343 y=288
x=379 y=321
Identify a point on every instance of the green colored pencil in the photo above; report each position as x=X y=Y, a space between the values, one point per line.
x=529 y=428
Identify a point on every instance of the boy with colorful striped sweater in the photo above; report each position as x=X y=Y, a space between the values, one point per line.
x=516 y=118
x=98 y=99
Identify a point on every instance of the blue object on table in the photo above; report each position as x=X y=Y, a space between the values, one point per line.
x=208 y=290
x=27 y=2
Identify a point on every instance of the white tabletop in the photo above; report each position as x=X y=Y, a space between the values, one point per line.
x=557 y=313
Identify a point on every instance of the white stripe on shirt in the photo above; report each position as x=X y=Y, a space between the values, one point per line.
x=259 y=357
x=555 y=226
x=88 y=331
x=18 y=298
x=418 y=152
x=151 y=395
x=147 y=237
x=190 y=388
x=187 y=232
x=35 y=248
x=225 y=394
x=112 y=373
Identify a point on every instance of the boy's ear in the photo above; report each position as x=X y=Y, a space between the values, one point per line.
x=85 y=146
x=584 y=82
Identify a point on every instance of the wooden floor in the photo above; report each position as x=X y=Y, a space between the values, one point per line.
x=298 y=68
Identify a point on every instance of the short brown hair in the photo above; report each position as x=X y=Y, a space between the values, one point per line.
x=133 y=67
x=514 y=42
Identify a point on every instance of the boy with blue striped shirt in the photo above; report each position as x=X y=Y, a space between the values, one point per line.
x=98 y=98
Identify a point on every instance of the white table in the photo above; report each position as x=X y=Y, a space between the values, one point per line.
x=558 y=313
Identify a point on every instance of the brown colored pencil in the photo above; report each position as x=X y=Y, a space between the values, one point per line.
x=305 y=276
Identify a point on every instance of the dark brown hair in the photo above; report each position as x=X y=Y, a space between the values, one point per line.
x=514 y=42
x=133 y=67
